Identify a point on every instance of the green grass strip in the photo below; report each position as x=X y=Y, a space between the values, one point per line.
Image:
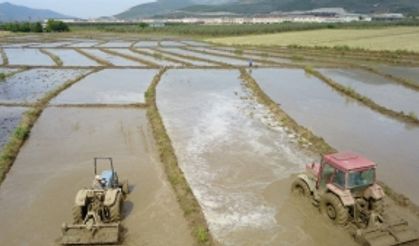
x=22 y=131
x=187 y=201
x=55 y=58
x=4 y=57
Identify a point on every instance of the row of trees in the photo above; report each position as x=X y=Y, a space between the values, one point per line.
x=51 y=26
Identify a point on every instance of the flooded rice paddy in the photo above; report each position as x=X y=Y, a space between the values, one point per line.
x=116 y=44
x=29 y=57
x=83 y=44
x=9 y=120
x=237 y=163
x=29 y=86
x=73 y=58
x=347 y=125
x=410 y=73
x=151 y=58
x=113 y=59
x=109 y=86
x=57 y=160
x=147 y=44
x=189 y=61
x=379 y=89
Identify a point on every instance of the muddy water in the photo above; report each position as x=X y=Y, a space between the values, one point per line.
x=115 y=60
x=73 y=58
x=152 y=59
x=28 y=57
x=347 y=125
x=9 y=119
x=38 y=193
x=379 y=89
x=410 y=73
x=238 y=162
x=193 y=62
x=31 y=85
x=110 y=86
x=214 y=58
x=116 y=44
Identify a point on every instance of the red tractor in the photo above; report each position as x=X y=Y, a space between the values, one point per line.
x=344 y=186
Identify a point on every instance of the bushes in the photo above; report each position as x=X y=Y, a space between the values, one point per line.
x=51 y=26
x=56 y=26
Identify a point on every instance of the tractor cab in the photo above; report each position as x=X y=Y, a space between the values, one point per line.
x=109 y=177
x=345 y=171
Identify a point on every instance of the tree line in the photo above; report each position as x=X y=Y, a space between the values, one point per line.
x=37 y=27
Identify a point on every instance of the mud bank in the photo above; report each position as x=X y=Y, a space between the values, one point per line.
x=347 y=125
x=109 y=86
x=52 y=167
x=238 y=161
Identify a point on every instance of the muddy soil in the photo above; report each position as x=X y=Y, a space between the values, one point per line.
x=73 y=58
x=9 y=119
x=38 y=193
x=28 y=57
x=238 y=162
x=113 y=59
x=29 y=86
x=347 y=125
x=381 y=90
x=110 y=86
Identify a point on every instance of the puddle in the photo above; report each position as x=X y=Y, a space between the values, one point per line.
x=379 y=89
x=214 y=58
x=31 y=85
x=410 y=73
x=347 y=125
x=236 y=160
x=193 y=62
x=147 y=44
x=84 y=44
x=38 y=193
x=29 y=57
x=160 y=62
x=115 y=60
x=116 y=44
x=110 y=86
x=71 y=57
x=9 y=119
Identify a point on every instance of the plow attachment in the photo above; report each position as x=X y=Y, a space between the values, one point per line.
x=387 y=235
x=94 y=234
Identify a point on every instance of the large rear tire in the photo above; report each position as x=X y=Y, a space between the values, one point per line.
x=333 y=209
x=125 y=187
x=115 y=209
x=77 y=214
x=300 y=188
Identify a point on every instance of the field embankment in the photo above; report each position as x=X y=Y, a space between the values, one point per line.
x=391 y=38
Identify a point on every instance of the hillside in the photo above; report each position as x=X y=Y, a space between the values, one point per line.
x=10 y=13
x=165 y=7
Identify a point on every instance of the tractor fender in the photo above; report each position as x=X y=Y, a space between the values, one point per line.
x=111 y=196
x=374 y=191
x=310 y=182
x=344 y=195
x=81 y=197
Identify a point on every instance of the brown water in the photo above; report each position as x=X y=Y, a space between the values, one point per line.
x=31 y=85
x=57 y=160
x=9 y=119
x=347 y=125
x=238 y=162
x=71 y=57
x=29 y=57
x=109 y=86
x=378 y=88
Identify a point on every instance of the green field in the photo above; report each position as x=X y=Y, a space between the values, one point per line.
x=394 y=38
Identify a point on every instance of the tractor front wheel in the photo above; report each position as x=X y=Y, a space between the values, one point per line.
x=299 y=187
x=333 y=208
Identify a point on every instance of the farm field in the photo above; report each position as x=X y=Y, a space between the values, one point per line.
x=197 y=132
x=395 y=38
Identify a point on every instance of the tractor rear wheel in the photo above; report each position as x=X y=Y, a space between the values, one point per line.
x=115 y=209
x=77 y=214
x=333 y=208
x=125 y=187
x=299 y=187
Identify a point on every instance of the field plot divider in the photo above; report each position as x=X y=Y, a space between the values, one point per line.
x=347 y=91
x=161 y=56
x=94 y=58
x=4 y=57
x=132 y=58
x=193 y=58
x=55 y=58
x=187 y=200
x=10 y=151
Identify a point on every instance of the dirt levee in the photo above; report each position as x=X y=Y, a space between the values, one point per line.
x=39 y=191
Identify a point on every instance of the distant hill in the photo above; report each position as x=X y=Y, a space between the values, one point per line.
x=10 y=13
x=170 y=7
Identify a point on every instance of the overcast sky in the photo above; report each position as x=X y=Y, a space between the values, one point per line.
x=81 y=8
